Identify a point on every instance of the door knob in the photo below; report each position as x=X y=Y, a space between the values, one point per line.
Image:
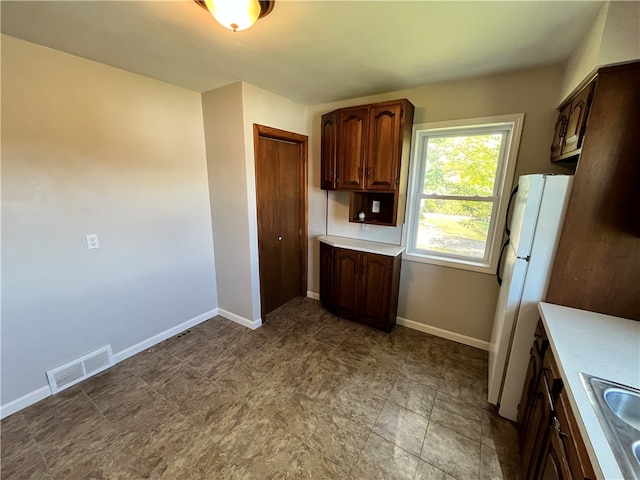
x=279 y=239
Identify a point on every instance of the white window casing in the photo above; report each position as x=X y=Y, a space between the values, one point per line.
x=510 y=126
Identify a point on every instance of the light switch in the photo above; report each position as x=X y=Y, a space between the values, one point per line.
x=92 y=241
x=375 y=206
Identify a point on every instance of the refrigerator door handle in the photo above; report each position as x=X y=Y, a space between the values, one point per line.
x=498 y=268
x=506 y=220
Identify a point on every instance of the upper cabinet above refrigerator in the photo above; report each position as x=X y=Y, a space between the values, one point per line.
x=571 y=126
x=598 y=263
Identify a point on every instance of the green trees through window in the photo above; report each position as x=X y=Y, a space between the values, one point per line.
x=456 y=167
x=461 y=175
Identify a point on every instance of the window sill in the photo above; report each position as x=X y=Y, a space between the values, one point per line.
x=460 y=264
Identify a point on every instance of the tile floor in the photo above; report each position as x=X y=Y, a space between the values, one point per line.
x=307 y=396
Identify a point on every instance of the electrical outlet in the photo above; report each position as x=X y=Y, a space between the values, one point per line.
x=375 y=206
x=92 y=241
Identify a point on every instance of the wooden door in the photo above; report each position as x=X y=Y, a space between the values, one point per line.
x=281 y=211
x=353 y=126
x=374 y=299
x=328 y=150
x=326 y=275
x=347 y=277
x=385 y=147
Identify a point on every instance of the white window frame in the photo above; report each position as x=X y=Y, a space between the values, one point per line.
x=502 y=188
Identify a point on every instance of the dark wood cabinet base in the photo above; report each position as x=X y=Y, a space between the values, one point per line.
x=360 y=286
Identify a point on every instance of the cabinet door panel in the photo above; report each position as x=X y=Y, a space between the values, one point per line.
x=574 y=131
x=347 y=277
x=326 y=275
x=328 y=151
x=527 y=401
x=573 y=446
x=554 y=464
x=385 y=146
x=538 y=434
x=559 y=132
x=376 y=272
x=353 y=125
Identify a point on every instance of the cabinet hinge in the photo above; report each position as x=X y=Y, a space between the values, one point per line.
x=402 y=113
x=397 y=181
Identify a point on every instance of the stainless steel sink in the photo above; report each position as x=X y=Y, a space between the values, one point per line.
x=618 y=410
x=625 y=404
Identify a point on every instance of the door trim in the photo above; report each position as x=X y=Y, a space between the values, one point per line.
x=302 y=141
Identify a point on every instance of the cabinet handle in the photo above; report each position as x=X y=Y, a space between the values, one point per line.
x=368 y=172
x=565 y=125
x=556 y=425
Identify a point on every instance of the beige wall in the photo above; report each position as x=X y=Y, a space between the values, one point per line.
x=229 y=115
x=613 y=37
x=264 y=108
x=224 y=133
x=454 y=300
x=87 y=148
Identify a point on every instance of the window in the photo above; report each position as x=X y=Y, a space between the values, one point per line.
x=460 y=183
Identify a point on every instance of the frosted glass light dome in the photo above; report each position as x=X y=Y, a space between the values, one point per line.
x=234 y=14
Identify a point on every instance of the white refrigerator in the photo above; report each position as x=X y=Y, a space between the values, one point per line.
x=534 y=223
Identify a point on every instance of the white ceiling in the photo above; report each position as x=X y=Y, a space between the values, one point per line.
x=309 y=51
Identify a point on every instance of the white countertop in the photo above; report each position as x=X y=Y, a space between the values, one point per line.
x=380 y=248
x=599 y=345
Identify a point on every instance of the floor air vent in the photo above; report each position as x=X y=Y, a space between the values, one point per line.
x=77 y=370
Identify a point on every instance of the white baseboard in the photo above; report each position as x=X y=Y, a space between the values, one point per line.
x=151 y=341
x=439 y=332
x=43 y=392
x=245 y=322
x=24 y=401
x=313 y=295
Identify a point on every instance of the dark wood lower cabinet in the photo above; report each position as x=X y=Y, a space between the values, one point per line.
x=553 y=463
x=359 y=285
x=326 y=274
x=551 y=446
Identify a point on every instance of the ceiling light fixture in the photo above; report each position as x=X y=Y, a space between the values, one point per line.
x=237 y=14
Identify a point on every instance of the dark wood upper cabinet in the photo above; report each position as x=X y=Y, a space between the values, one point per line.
x=559 y=133
x=597 y=264
x=385 y=147
x=577 y=120
x=353 y=125
x=365 y=150
x=328 y=149
x=571 y=126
